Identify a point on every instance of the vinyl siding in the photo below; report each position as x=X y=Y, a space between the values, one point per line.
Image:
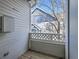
x=15 y=42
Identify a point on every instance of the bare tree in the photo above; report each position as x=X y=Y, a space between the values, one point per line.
x=56 y=13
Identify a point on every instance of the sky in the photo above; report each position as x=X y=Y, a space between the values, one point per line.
x=46 y=5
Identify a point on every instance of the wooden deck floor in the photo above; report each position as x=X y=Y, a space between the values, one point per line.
x=36 y=55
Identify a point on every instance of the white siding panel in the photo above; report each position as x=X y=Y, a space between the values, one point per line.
x=15 y=42
x=55 y=49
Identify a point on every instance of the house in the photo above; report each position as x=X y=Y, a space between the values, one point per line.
x=41 y=18
x=45 y=16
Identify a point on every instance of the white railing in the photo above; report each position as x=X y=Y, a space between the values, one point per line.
x=47 y=36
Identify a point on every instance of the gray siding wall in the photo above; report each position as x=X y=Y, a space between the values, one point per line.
x=15 y=42
x=49 y=47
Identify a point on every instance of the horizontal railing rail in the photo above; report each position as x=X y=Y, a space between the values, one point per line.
x=47 y=36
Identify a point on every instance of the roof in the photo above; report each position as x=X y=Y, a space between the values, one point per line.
x=44 y=13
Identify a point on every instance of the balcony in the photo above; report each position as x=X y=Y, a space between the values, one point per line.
x=47 y=27
x=52 y=44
